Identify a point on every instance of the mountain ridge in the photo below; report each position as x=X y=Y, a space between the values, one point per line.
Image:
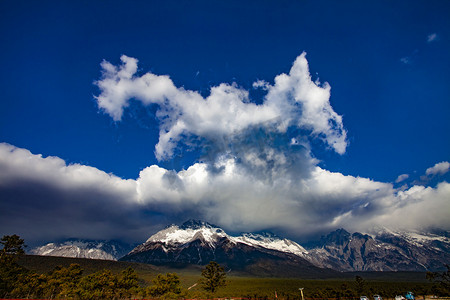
x=84 y=248
x=197 y=242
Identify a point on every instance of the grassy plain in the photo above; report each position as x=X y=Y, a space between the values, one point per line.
x=387 y=284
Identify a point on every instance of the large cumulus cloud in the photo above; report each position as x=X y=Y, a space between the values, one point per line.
x=294 y=100
x=44 y=198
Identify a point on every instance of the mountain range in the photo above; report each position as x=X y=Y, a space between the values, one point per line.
x=80 y=248
x=197 y=243
x=384 y=251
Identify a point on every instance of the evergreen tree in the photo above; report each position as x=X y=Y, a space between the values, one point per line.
x=10 y=271
x=165 y=285
x=360 y=285
x=30 y=285
x=213 y=277
x=100 y=285
x=63 y=282
x=12 y=246
x=128 y=283
x=441 y=282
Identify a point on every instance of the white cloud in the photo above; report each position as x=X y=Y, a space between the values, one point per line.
x=82 y=200
x=439 y=168
x=44 y=197
x=401 y=178
x=420 y=207
x=20 y=165
x=261 y=84
x=294 y=100
x=315 y=112
x=432 y=37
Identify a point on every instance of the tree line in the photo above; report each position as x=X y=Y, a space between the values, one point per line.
x=70 y=282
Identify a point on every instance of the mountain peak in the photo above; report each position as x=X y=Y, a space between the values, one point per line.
x=196 y=224
x=260 y=235
x=338 y=237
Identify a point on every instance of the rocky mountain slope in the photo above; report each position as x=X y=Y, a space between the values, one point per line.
x=384 y=251
x=197 y=242
x=107 y=250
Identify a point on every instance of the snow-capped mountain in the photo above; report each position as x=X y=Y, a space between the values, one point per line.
x=385 y=250
x=271 y=241
x=107 y=250
x=174 y=235
x=430 y=251
x=197 y=242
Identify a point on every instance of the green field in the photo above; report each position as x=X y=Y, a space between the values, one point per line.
x=387 y=284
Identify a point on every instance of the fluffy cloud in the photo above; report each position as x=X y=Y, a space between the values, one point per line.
x=293 y=101
x=46 y=198
x=439 y=168
x=419 y=207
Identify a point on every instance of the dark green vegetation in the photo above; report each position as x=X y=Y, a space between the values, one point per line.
x=387 y=284
x=12 y=249
x=213 y=277
x=441 y=280
x=71 y=278
x=166 y=286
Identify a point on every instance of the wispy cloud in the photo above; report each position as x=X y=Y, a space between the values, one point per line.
x=432 y=37
x=401 y=178
x=407 y=60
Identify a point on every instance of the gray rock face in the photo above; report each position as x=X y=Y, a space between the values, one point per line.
x=384 y=251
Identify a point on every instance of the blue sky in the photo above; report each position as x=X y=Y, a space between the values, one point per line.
x=386 y=62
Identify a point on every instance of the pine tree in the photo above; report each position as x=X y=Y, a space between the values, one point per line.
x=10 y=271
x=213 y=277
x=128 y=283
x=441 y=281
x=360 y=285
x=165 y=284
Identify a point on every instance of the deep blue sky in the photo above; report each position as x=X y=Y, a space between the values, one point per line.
x=396 y=114
x=389 y=77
